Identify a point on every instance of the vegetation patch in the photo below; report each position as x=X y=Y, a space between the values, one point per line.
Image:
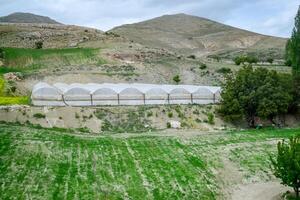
x=23 y=100
x=31 y=59
x=140 y=167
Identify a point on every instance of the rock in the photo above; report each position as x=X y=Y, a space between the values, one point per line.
x=11 y=76
x=73 y=44
x=1 y=63
x=175 y=124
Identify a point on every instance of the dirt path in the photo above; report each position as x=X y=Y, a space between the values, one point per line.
x=259 y=191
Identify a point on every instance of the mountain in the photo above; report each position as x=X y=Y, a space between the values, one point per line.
x=20 y=17
x=195 y=35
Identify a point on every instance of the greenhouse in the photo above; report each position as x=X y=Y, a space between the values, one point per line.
x=104 y=96
x=76 y=94
x=156 y=96
x=46 y=95
x=203 y=96
x=180 y=96
x=91 y=94
x=131 y=96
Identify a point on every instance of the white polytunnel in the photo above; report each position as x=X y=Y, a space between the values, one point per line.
x=180 y=96
x=203 y=96
x=156 y=96
x=44 y=94
x=104 y=96
x=77 y=95
x=131 y=96
x=91 y=94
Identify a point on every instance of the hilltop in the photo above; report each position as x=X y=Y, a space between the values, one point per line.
x=20 y=17
x=195 y=35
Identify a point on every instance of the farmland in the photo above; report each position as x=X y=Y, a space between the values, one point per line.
x=37 y=163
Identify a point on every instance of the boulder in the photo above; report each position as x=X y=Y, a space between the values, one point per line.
x=175 y=124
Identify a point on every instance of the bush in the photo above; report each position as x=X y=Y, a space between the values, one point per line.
x=39 y=45
x=149 y=114
x=39 y=116
x=270 y=60
x=286 y=166
x=224 y=70
x=192 y=56
x=242 y=59
x=210 y=118
x=203 y=66
x=168 y=125
x=170 y=114
x=176 y=79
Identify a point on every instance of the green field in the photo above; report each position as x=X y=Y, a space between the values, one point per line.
x=38 y=163
x=19 y=59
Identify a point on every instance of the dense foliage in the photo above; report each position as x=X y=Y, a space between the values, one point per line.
x=256 y=93
x=286 y=166
x=245 y=59
x=293 y=56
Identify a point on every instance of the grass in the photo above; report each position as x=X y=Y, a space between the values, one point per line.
x=42 y=163
x=22 y=100
x=32 y=59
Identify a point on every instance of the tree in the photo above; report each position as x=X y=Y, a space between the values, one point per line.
x=288 y=59
x=176 y=79
x=286 y=165
x=293 y=56
x=255 y=93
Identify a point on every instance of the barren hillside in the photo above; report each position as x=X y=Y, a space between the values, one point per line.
x=195 y=35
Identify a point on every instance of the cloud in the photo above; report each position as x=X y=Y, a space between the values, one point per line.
x=274 y=17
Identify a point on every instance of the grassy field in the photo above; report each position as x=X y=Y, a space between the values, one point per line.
x=40 y=163
x=30 y=59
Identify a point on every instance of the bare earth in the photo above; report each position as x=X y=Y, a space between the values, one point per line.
x=259 y=191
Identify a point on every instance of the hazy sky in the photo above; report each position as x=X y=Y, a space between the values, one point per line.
x=272 y=17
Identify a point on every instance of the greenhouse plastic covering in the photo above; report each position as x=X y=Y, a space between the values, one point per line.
x=92 y=94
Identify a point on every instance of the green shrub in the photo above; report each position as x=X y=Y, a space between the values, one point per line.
x=245 y=58
x=270 y=60
x=286 y=165
x=39 y=45
x=210 y=118
x=170 y=114
x=77 y=116
x=149 y=114
x=168 y=125
x=176 y=79
x=203 y=66
x=192 y=56
x=224 y=70
x=39 y=115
